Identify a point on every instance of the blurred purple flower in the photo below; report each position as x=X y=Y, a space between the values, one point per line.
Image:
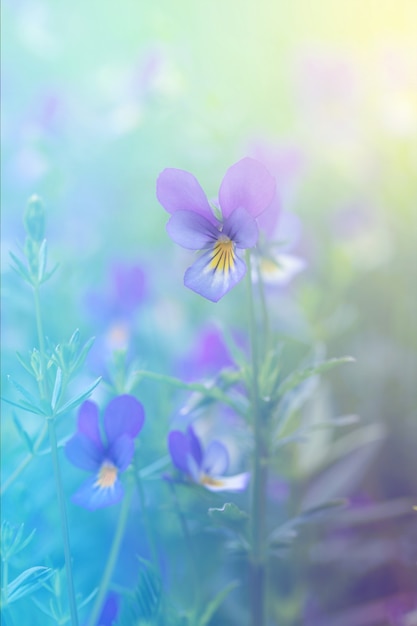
x=124 y=293
x=245 y=192
x=110 y=610
x=123 y=419
x=276 y=263
x=204 y=466
x=207 y=357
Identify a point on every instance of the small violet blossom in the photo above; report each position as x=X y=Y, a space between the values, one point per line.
x=245 y=192
x=276 y=264
x=123 y=419
x=204 y=466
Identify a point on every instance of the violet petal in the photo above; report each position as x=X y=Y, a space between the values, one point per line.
x=191 y=230
x=178 y=190
x=212 y=283
x=88 y=421
x=92 y=497
x=82 y=452
x=124 y=415
x=179 y=449
x=195 y=445
x=247 y=184
x=242 y=228
x=216 y=459
x=121 y=452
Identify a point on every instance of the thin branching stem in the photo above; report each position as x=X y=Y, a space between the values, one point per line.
x=43 y=389
x=189 y=545
x=113 y=555
x=258 y=495
x=64 y=522
x=145 y=517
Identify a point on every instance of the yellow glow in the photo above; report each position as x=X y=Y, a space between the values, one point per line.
x=212 y=482
x=223 y=256
x=107 y=476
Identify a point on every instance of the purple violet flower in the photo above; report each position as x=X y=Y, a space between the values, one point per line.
x=245 y=192
x=204 y=467
x=123 y=419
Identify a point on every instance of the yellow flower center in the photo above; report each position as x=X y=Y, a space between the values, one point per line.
x=107 y=476
x=223 y=254
x=209 y=480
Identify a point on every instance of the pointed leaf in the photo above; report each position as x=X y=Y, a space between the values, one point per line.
x=27 y=582
x=24 y=364
x=211 y=392
x=25 y=406
x=297 y=377
x=20 y=268
x=22 y=433
x=42 y=261
x=51 y=272
x=79 y=399
x=24 y=392
x=83 y=353
x=214 y=604
x=57 y=388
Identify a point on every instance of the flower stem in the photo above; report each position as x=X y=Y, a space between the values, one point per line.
x=258 y=495
x=111 y=561
x=64 y=522
x=43 y=389
x=147 y=525
x=43 y=385
x=190 y=548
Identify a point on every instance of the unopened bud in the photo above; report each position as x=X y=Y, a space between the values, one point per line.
x=34 y=219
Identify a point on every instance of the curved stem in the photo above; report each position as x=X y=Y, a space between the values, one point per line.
x=111 y=561
x=146 y=522
x=64 y=522
x=43 y=390
x=43 y=385
x=258 y=496
x=190 y=548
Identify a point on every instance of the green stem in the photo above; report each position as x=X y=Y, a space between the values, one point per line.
x=43 y=384
x=146 y=522
x=265 y=316
x=43 y=389
x=111 y=561
x=64 y=522
x=188 y=542
x=258 y=496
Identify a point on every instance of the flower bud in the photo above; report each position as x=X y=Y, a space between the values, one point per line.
x=34 y=219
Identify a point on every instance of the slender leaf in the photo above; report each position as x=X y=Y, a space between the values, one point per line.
x=78 y=399
x=297 y=377
x=57 y=388
x=22 y=433
x=27 y=582
x=24 y=364
x=25 y=406
x=83 y=353
x=286 y=532
x=42 y=261
x=214 y=604
x=49 y=274
x=209 y=391
x=20 y=268
x=24 y=392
